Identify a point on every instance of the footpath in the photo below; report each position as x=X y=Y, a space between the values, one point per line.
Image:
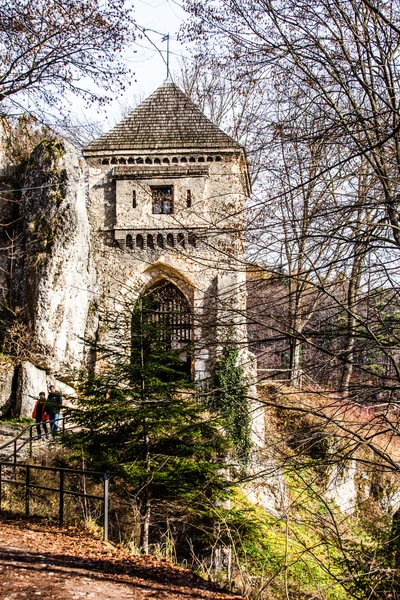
x=45 y=561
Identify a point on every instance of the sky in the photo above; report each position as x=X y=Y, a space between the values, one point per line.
x=163 y=16
x=149 y=71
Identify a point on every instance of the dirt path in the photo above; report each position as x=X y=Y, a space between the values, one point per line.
x=68 y=564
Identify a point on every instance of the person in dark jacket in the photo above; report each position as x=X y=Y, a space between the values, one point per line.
x=53 y=404
x=40 y=415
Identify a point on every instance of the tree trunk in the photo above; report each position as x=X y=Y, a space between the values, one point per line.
x=146 y=523
x=351 y=304
x=295 y=370
x=147 y=501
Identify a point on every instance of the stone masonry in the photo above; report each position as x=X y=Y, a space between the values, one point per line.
x=196 y=242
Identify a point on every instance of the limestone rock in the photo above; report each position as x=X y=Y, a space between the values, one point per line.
x=54 y=274
x=266 y=485
x=342 y=488
x=6 y=381
x=31 y=381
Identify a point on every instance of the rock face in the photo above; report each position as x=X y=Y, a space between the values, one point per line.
x=31 y=381
x=342 y=488
x=6 y=384
x=266 y=486
x=55 y=279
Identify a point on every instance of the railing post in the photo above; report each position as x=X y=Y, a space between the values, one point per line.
x=105 y=530
x=27 y=483
x=15 y=453
x=1 y=474
x=30 y=440
x=61 y=511
x=63 y=424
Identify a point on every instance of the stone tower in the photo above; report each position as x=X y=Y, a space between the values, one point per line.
x=167 y=191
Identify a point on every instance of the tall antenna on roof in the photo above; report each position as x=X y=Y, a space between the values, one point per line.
x=166 y=39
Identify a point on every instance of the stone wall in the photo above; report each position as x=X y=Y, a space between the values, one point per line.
x=209 y=272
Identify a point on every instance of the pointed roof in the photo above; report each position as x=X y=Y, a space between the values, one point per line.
x=166 y=120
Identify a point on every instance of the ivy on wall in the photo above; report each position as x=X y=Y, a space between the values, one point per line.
x=230 y=400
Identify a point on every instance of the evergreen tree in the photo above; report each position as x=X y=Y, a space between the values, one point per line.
x=140 y=420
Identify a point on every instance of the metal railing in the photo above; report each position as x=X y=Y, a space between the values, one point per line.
x=61 y=489
x=295 y=382
x=19 y=439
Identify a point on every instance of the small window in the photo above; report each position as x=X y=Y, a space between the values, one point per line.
x=174 y=160
x=188 y=198
x=131 y=161
x=105 y=161
x=192 y=240
x=192 y=159
x=114 y=161
x=134 y=199
x=218 y=159
x=183 y=159
x=139 y=241
x=210 y=159
x=170 y=240
x=181 y=240
x=157 y=161
x=148 y=161
x=200 y=159
x=163 y=200
x=139 y=161
x=160 y=241
x=166 y=161
x=122 y=161
x=129 y=241
x=150 y=241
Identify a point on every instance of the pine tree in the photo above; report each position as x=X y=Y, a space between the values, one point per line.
x=141 y=421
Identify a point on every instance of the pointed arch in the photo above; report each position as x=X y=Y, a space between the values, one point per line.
x=168 y=308
x=166 y=302
x=159 y=272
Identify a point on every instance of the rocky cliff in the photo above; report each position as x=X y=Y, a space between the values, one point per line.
x=52 y=278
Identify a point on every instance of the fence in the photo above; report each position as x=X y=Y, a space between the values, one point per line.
x=297 y=381
x=19 y=442
x=61 y=489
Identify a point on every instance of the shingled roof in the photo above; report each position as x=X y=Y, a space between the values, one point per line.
x=166 y=120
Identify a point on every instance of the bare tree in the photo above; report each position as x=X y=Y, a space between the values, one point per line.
x=334 y=65
x=238 y=109
x=342 y=54
x=52 y=48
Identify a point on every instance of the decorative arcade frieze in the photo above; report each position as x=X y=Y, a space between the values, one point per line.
x=158 y=240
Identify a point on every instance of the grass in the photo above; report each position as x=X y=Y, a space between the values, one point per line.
x=279 y=556
x=17 y=421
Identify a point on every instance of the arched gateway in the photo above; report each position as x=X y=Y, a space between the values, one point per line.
x=166 y=314
x=166 y=306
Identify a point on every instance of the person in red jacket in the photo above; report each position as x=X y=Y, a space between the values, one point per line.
x=40 y=415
